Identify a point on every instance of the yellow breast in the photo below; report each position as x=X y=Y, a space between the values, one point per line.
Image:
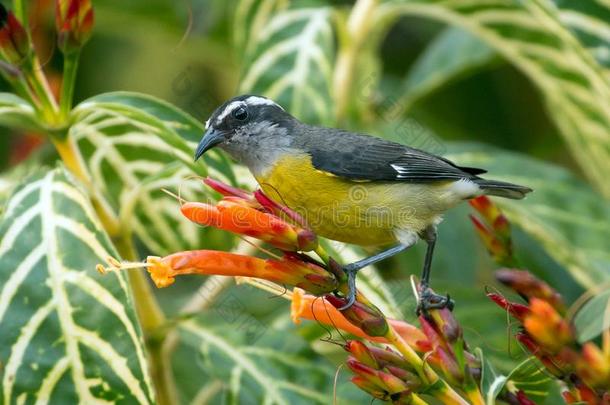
x=363 y=213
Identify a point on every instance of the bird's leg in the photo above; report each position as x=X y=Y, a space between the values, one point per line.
x=427 y=298
x=352 y=269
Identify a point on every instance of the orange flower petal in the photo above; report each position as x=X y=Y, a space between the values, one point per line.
x=305 y=306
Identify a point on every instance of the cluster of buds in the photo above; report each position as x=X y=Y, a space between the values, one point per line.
x=391 y=376
x=382 y=373
x=74 y=21
x=449 y=353
x=547 y=334
x=15 y=44
x=494 y=230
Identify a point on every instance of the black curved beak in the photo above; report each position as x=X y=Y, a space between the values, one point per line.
x=211 y=138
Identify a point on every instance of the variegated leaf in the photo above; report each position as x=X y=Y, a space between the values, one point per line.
x=249 y=22
x=292 y=61
x=275 y=367
x=16 y=112
x=130 y=147
x=564 y=214
x=68 y=334
x=530 y=35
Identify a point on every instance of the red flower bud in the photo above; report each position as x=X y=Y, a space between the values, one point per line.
x=367 y=317
x=227 y=190
x=530 y=286
x=74 y=21
x=517 y=311
x=361 y=352
x=14 y=42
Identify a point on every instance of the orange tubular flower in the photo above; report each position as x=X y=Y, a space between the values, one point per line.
x=547 y=327
x=234 y=215
x=305 y=306
x=74 y=20
x=290 y=270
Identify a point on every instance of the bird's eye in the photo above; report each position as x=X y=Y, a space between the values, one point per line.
x=240 y=113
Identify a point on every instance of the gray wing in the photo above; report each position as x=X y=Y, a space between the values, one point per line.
x=363 y=157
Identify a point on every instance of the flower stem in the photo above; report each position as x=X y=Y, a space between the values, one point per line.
x=152 y=319
x=38 y=82
x=67 y=85
x=441 y=389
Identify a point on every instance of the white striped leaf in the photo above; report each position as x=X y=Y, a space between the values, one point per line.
x=131 y=146
x=563 y=213
x=590 y=22
x=531 y=36
x=17 y=113
x=69 y=334
x=274 y=367
x=249 y=22
x=291 y=61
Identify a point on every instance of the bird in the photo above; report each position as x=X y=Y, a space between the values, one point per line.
x=349 y=187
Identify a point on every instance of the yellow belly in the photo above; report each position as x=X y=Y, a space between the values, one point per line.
x=362 y=213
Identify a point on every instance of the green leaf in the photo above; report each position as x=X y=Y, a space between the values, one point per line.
x=453 y=54
x=69 y=334
x=251 y=17
x=531 y=36
x=531 y=378
x=131 y=146
x=259 y=365
x=563 y=213
x=18 y=113
x=592 y=319
x=292 y=63
x=492 y=383
x=588 y=20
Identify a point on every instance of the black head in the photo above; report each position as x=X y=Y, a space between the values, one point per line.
x=238 y=116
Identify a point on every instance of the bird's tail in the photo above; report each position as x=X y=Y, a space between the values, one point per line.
x=503 y=189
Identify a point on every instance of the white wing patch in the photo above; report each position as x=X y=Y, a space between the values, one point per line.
x=401 y=170
x=207 y=124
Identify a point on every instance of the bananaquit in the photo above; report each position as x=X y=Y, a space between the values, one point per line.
x=349 y=187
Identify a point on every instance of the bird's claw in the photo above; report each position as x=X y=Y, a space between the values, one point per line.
x=350 y=272
x=430 y=300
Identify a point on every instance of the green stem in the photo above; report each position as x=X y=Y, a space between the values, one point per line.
x=38 y=82
x=19 y=11
x=152 y=319
x=67 y=85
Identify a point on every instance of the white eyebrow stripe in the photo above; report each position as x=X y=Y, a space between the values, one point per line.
x=255 y=100
x=228 y=109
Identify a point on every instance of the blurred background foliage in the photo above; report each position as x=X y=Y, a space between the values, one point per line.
x=185 y=52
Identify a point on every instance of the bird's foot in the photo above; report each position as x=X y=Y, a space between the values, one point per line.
x=428 y=299
x=351 y=272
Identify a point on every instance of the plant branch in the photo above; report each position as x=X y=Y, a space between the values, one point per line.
x=67 y=85
x=152 y=319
